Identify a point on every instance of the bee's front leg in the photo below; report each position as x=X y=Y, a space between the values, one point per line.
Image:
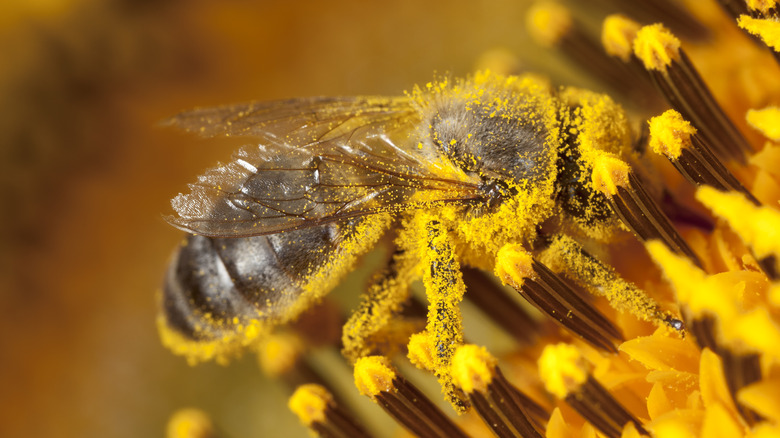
x=444 y=288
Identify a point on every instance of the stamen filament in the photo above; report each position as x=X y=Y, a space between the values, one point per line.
x=476 y=372
x=375 y=378
x=318 y=411
x=553 y=296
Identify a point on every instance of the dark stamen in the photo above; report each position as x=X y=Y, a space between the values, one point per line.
x=553 y=296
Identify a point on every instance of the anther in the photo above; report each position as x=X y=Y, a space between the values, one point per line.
x=552 y=25
x=676 y=139
x=502 y=407
x=565 y=374
x=614 y=178
x=318 y=411
x=617 y=37
x=670 y=12
x=378 y=380
x=552 y=295
x=682 y=86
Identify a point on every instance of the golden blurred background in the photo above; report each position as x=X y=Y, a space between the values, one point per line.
x=87 y=173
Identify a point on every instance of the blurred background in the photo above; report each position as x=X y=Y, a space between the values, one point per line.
x=87 y=174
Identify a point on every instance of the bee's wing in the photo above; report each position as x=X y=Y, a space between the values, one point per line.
x=309 y=117
x=319 y=160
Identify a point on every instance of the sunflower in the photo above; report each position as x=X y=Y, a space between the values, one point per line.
x=685 y=338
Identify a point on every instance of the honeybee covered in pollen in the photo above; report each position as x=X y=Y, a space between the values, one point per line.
x=497 y=173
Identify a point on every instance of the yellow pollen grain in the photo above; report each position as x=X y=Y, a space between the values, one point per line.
x=189 y=423
x=670 y=133
x=513 y=265
x=767 y=121
x=766 y=29
x=548 y=22
x=373 y=374
x=420 y=354
x=473 y=368
x=617 y=36
x=562 y=369
x=759 y=227
x=309 y=403
x=656 y=47
x=609 y=173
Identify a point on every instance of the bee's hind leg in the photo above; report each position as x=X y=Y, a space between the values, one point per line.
x=376 y=323
x=565 y=255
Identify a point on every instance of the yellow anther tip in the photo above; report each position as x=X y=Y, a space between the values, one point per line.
x=513 y=265
x=767 y=121
x=766 y=29
x=670 y=133
x=190 y=423
x=763 y=6
x=473 y=368
x=656 y=47
x=419 y=355
x=617 y=36
x=609 y=173
x=309 y=402
x=373 y=374
x=548 y=22
x=562 y=369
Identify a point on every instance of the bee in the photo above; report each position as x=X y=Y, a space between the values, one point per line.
x=475 y=172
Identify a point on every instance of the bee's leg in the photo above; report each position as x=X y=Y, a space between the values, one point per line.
x=552 y=295
x=367 y=330
x=564 y=254
x=444 y=288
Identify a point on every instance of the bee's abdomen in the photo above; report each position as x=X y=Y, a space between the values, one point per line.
x=213 y=286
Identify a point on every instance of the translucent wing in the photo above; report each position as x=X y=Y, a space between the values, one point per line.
x=318 y=160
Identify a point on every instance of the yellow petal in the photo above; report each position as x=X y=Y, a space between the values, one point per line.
x=712 y=381
x=657 y=402
x=762 y=397
x=556 y=426
x=718 y=423
x=663 y=353
x=680 y=423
